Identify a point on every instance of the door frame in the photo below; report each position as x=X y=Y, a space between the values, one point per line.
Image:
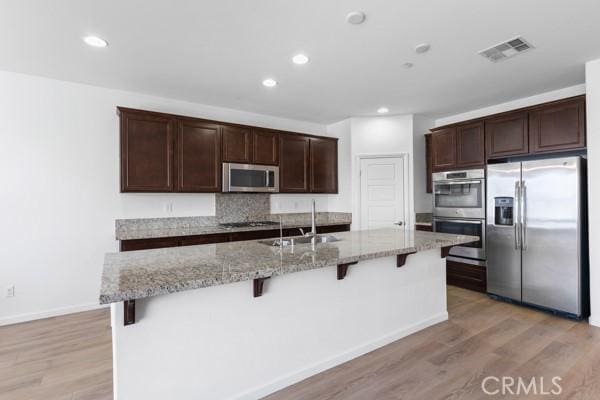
x=405 y=183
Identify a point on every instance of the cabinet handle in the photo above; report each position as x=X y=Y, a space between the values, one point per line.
x=518 y=219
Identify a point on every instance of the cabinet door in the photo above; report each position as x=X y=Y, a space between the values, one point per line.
x=146 y=152
x=237 y=144
x=507 y=135
x=323 y=166
x=470 y=150
x=198 y=156
x=429 y=163
x=443 y=144
x=265 y=147
x=558 y=126
x=293 y=163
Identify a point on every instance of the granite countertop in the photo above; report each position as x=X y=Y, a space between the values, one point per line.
x=145 y=273
x=146 y=228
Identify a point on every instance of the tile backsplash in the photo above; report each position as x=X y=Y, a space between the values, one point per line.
x=240 y=207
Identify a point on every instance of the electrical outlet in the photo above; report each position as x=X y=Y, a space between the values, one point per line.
x=10 y=291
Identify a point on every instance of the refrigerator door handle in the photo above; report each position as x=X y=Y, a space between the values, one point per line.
x=518 y=219
x=523 y=202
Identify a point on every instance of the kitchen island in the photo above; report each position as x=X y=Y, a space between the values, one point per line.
x=266 y=317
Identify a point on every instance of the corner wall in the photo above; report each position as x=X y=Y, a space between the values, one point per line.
x=423 y=200
x=592 y=81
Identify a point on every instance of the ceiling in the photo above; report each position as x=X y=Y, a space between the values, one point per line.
x=218 y=52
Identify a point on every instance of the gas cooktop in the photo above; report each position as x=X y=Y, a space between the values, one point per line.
x=248 y=224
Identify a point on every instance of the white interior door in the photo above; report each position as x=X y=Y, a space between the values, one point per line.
x=381 y=192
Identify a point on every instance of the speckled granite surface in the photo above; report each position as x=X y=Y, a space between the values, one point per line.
x=146 y=273
x=146 y=228
x=242 y=207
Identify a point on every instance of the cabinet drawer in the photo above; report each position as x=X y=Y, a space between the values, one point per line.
x=467 y=276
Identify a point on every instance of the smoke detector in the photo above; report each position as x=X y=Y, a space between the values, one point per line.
x=507 y=49
x=356 y=17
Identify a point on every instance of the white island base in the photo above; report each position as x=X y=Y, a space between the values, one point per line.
x=221 y=343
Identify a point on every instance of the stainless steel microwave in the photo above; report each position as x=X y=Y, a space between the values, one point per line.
x=250 y=178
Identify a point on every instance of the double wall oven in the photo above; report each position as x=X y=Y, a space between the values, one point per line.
x=459 y=208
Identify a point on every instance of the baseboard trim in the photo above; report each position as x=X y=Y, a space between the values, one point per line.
x=594 y=321
x=54 y=312
x=316 y=368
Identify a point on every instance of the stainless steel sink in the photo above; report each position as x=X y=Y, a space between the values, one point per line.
x=300 y=240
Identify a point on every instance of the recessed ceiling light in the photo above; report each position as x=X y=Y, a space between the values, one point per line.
x=383 y=110
x=408 y=65
x=269 y=82
x=356 y=17
x=300 y=59
x=95 y=41
x=422 y=48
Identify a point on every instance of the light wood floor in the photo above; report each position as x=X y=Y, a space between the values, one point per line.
x=449 y=360
x=69 y=358
x=62 y=358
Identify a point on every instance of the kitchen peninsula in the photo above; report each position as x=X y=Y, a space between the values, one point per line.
x=258 y=320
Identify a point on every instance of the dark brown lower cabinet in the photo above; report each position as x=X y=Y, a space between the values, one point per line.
x=203 y=239
x=424 y=228
x=146 y=244
x=467 y=276
x=156 y=243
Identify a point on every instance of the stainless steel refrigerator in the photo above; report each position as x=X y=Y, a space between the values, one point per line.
x=537 y=234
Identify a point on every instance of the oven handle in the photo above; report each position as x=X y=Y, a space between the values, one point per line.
x=457 y=182
x=460 y=221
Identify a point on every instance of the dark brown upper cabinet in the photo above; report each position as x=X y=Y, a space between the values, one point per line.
x=323 y=166
x=558 y=126
x=237 y=144
x=429 y=162
x=198 y=156
x=147 y=142
x=171 y=153
x=443 y=145
x=470 y=149
x=265 y=146
x=507 y=135
x=294 y=163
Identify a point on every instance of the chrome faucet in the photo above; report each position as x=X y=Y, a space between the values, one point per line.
x=313 y=227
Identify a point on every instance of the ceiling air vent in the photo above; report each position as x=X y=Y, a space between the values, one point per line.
x=507 y=49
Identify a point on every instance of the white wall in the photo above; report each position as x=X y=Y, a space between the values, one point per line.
x=423 y=200
x=381 y=135
x=60 y=173
x=304 y=323
x=514 y=104
x=592 y=81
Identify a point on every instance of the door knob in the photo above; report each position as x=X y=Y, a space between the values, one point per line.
x=399 y=223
